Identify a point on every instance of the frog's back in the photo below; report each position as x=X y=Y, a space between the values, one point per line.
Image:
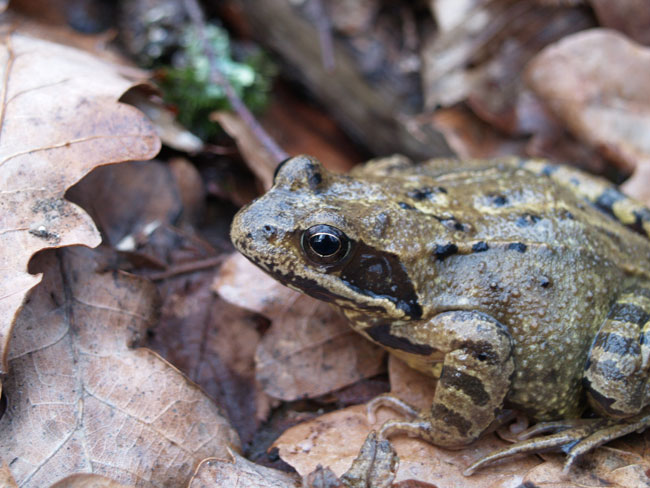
x=527 y=202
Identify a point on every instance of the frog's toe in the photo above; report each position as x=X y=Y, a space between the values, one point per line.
x=543 y=428
x=611 y=430
x=530 y=446
x=576 y=437
x=392 y=402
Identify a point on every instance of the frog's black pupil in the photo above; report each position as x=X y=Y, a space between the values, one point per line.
x=325 y=244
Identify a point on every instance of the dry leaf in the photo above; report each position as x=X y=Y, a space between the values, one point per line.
x=129 y=201
x=240 y=473
x=604 y=467
x=88 y=481
x=470 y=137
x=80 y=400
x=596 y=83
x=311 y=350
x=242 y=283
x=214 y=343
x=6 y=479
x=629 y=16
x=301 y=128
x=60 y=119
x=259 y=159
x=334 y=440
x=484 y=53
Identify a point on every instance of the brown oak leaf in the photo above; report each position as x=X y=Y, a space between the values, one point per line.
x=59 y=119
x=81 y=400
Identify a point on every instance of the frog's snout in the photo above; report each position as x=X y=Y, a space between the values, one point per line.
x=253 y=238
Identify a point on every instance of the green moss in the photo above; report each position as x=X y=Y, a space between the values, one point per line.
x=186 y=84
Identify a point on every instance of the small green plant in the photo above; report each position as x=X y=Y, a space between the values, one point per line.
x=187 y=86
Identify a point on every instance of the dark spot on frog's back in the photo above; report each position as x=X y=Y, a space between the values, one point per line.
x=441 y=251
x=480 y=246
x=607 y=199
x=425 y=193
x=517 y=246
x=628 y=312
x=497 y=200
x=382 y=334
x=406 y=206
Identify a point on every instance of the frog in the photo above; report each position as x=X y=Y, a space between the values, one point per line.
x=521 y=285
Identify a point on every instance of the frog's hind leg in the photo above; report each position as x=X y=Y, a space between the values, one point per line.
x=598 y=191
x=616 y=374
x=616 y=381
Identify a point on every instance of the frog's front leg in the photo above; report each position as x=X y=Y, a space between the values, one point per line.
x=474 y=381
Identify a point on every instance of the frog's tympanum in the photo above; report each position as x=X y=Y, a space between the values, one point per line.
x=519 y=284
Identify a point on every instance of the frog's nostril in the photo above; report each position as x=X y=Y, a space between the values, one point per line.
x=268 y=231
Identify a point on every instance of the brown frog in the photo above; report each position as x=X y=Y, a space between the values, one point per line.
x=519 y=284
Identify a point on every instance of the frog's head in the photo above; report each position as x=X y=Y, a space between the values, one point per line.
x=323 y=234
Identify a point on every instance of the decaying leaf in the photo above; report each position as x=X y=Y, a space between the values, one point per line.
x=629 y=16
x=59 y=119
x=596 y=83
x=129 y=201
x=238 y=472
x=258 y=158
x=81 y=400
x=214 y=343
x=310 y=349
x=244 y=284
x=6 y=479
x=88 y=481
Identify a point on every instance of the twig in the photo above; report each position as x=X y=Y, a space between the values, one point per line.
x=196 y=15
x=190 y=267
x=315 y=11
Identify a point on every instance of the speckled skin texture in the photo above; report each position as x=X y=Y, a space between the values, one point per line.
x=522 y=246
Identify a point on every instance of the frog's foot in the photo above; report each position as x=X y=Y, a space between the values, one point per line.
x=392 y=402
x=575 y=437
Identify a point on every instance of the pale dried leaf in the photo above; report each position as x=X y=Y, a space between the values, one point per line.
x=260 y=161
x=604 y=467
x=311 y=350
x=129 y=201
x=451 y=13
x=596 y=83
x=81 y=400
x=240 y=473
x=59 y=119
x=629 y=16
x=88 y=481
x=170 y=131
x=6 y=479
x=242 y=283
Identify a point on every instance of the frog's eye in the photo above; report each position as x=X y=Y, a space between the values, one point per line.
x=324 y=244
